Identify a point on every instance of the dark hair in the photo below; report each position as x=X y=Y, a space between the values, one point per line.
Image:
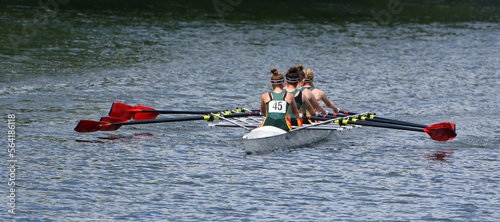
x=277 y=78
x=293 y=76
x=300 y=69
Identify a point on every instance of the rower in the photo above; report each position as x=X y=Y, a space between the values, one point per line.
x=275 y=105
x=310 y=96
x=302 y=101
x=318 y=94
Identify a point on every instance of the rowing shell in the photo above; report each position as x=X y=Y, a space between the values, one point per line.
x=269 y=138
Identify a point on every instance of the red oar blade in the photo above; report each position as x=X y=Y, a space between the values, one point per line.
x=441 y=131
x=86 y=126
x=109 y=119
x=144 y=115
x=122 y=111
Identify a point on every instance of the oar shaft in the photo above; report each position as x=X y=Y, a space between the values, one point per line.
x=158 y=121
x=124 y=111
x=384 y=125
x=398 y=122
x=180 y=111
x=205 y=117
x=384 y=120
x=373 y=124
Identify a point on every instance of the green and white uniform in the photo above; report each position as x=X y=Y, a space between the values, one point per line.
x=277 y=111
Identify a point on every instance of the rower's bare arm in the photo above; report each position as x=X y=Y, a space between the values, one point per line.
x=308 y=105
x=319 y=107
x=314 y=102
x=327 y=102
x=263 y=109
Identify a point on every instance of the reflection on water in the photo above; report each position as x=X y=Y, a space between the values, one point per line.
x=439 y=154
x=117 y=138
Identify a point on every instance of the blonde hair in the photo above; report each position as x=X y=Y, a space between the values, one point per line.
x=309 y=76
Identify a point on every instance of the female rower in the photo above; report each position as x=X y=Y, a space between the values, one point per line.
x=275 y=105
x=310 y=96
x=302 y=101
x=318 y=94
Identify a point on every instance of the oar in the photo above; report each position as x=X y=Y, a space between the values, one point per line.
x=374 y=118
x=124 y=111
x=439 y=132
x=113 y=123
x=444 y=128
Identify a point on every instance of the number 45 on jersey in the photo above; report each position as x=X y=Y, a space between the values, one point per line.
x=277 y=107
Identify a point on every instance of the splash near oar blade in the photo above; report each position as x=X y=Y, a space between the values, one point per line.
x=441 y=131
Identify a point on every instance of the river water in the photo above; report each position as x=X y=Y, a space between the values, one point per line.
x=72 y=62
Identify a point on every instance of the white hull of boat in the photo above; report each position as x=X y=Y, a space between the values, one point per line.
x=270 y=138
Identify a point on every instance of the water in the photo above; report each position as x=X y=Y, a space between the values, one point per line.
x=82 y=59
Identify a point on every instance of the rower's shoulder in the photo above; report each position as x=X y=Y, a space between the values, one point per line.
x=318 y=91
x=305 y=90
x=290 y=96
x=265 y=96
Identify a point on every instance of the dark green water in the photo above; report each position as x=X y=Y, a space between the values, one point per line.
x=420 y=61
